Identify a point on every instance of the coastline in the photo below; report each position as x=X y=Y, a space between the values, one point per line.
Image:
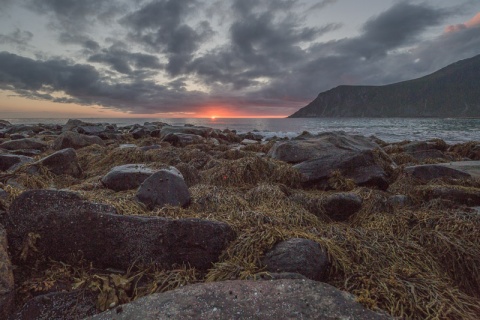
x=384 y=219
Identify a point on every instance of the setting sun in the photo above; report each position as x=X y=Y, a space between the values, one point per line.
x=213 y=117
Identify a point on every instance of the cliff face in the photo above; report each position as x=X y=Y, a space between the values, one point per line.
x=453 y=91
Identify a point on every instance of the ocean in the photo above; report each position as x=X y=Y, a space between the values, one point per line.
x=387 y=129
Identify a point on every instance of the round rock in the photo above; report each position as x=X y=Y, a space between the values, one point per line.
x=126 y=177
x=165 y=187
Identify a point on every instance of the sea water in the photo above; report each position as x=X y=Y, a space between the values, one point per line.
x=387 y=129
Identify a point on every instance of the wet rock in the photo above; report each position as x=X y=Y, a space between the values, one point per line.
x=297 y=255
x=429 y=172
x=66 y=224
x=11 y=162
x=6 y=277
x=75 y=140
x=277 y=299
x=58 y=306
x=340 y=206
x=26 y=143
x=355 y=157
x=126 y=177
x=182 y=139
x=166 y=186
x=63 y=162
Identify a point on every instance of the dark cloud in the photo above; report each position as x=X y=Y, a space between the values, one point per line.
x=86 y=42
x=18 y=38
x=122 y=61
x=321 y=4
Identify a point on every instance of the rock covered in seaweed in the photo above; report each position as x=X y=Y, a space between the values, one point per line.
x=63 y=224
x=276 y=299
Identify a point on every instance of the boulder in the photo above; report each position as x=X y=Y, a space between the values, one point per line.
x=429 y=172
x=166 y=186
x=139 y=133
x=75 y=140
x=340 y=206
x=276 y=299
x=11 y=162
x=24 y=144
x=17 y=136
x=470 y=167
x=317 y=157
x=204 y=132
x=74 y=123
x=362 y=167
x=298 y=255
x=461 y=195
x=63 y=162
x=6 y=277
x=66 y=224
x=183 y=139
x=58 y=306
x=4 y=123
x=126 y=177
x=91 y=130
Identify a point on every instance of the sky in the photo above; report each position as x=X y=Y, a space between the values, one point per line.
x=209 y=58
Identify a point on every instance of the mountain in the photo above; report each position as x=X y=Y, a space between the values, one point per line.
x=451 y=92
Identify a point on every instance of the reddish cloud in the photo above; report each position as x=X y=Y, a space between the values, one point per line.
x=475 y=21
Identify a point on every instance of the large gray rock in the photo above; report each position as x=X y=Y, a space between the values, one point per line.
x=75 y=140
x=183 y=139
x=58 y=306
x=470 y=167
x=6 y=277
x=298 y=255
x=68 y=225
x=276 y=299
x=317 y=157
x=126 y=177
x=429 y=172
x=166 y=186
x=461 y=195
x=24 y=144
x=63 y=162
x=200 y=131
x=340 y=206
x=11 y=162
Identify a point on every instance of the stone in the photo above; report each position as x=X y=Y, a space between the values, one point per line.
x=340 y=206
x=249 y=141
x=7 y=292
x=298 y=255
x=470 y=167
x=460 y=195
x=126 y=177
x=316 y=158
x=429 y=172
x=91 y=130
x=237 y=299
x=17 y=136
x=362 y=167
x=63 y=162
x=67 y=225
x=74 y=123
x=166 y=186
x=204 y=132
x=139 y=133
x=69 y=139
x=58 y=306
x=11 y=162
x=26 y=144
x=182 y=139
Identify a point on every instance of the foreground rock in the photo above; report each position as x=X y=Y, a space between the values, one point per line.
x=11 y=162
x=165 y=187
x=355 y=157
x=24 y=144
x=298 y=255
x=63 y=162
x=429 y=172
x=75 y=140
x=277 y=299
x=6 y=277
x=58 y=306
x=64 y=224
x=127 y=177
x=340 y=206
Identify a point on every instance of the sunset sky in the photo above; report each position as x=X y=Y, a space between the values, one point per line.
x=228 y=58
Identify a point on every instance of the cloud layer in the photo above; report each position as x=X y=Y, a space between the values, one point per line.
x=248 y=56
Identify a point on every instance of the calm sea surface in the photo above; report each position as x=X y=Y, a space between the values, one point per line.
x=388 y=129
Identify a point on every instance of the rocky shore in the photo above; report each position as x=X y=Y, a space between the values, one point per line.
x=156 y=221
